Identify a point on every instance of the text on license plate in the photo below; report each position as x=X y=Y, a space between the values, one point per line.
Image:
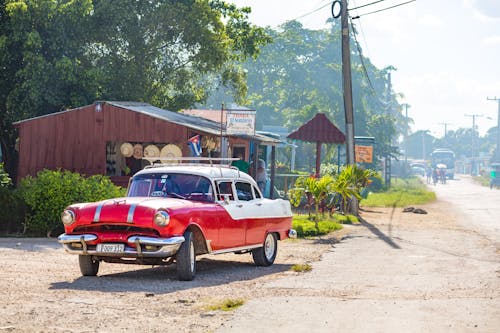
x=110 y=248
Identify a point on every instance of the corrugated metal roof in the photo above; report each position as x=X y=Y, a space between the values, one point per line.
x=196 y=123
x=193 y=122
x=318 y=129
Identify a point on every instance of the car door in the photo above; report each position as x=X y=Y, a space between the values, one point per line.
x=252 y=204
x=233 y=225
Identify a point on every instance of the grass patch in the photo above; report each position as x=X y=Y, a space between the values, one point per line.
x=299 y=268
x=305 y=225
x=406 y=192
x=346 y=219
x=227 y=305
x=483 y=180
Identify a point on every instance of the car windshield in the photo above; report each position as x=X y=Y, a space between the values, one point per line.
x=173 y=185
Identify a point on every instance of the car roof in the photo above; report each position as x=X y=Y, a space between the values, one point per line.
x=211 y=171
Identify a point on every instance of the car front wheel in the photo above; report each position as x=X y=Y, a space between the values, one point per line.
x=265 y=255
x=186 y=258
x=88 y=266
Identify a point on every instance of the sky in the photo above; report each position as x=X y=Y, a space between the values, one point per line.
x=446 y=53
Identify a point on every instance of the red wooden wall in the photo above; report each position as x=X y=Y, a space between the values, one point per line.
x=76 y=139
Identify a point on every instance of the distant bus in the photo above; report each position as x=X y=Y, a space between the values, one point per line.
x=446 y=157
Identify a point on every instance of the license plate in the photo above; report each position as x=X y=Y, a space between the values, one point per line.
x=110 y=248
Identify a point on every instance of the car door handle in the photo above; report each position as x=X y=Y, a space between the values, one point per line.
x=239 y=205
x=258 y=204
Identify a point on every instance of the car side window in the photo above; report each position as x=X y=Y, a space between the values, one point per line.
x=244 y=191
x=225 y=189
x=257 y=193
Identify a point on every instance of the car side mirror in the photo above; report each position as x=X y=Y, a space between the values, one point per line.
x=226 y=198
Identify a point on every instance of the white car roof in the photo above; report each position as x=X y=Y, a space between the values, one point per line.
x=211 y=171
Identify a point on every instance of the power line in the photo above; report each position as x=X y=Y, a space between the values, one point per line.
x=383 y=9
x=311 y=12
x=363 y=34
x=361 y=59
x=368 y=4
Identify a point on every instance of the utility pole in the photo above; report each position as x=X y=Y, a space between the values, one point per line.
x=339 y=8
x=406 y=105
x=445 y=128
x=347 y=83
x=496 y=158
x=473 y=162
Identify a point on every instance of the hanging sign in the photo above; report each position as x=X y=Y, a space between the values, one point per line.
x=240 y=122
x=364 y=154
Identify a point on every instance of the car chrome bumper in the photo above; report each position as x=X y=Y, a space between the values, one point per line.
x=158 y=247
x=292 y=233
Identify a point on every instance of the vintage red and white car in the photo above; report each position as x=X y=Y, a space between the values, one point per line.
x=174 y=212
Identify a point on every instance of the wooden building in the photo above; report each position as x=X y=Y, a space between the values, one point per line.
x=98 y=138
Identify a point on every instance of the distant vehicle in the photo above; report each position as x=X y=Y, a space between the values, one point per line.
x=446 y=157
x=418 y=170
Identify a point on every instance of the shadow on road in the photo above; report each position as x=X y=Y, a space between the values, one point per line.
x=163 y=280
x=376 y=231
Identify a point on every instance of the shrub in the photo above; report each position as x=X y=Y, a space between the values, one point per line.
x=12 y=211
x=5 y=180
x=310 y=226
x=50 y=192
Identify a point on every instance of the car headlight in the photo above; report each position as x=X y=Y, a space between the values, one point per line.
x=162 y=218
x=68 y=217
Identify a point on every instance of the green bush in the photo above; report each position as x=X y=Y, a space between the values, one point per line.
x=50 y=192
x=5 y=180
x=306 y=226
x=12 y=211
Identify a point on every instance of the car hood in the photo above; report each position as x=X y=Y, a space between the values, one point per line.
x=127 y=209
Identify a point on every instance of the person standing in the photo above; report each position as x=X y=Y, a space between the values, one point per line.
x=261 y=175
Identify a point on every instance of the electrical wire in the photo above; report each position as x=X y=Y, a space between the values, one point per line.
x=363 y=33
x=383 y=9
x=361 y=59
x=312 y=12
x=368 y=4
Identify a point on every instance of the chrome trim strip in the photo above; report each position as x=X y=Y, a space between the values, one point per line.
x=63 y=239
x=236 y=249
x=97 y=214
x=156 y=241
x=167 y=246
x=130 y=216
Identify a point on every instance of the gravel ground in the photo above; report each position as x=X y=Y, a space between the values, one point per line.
x=43 y=291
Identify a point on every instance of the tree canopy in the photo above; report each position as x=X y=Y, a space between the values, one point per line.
x=300 y=74
x=58 y=54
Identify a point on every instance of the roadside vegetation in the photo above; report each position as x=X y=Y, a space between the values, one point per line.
x=327 y=200
x=35 y=206
x=300 y=268
x=307 y=225
x=404 y=192
x=226 y=305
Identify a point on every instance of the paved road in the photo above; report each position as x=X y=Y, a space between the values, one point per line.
x=437 y=275
x=479 y=204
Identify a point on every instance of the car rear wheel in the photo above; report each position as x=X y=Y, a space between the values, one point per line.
x=265 y=255
x=88 y=266
x=186 y=258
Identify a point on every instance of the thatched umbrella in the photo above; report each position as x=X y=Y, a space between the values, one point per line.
x=320 y=130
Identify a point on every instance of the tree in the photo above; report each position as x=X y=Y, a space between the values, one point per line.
x=299 y=75
x=58 y=54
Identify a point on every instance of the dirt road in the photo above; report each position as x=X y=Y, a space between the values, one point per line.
x=438 y=272
x=395 y=272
